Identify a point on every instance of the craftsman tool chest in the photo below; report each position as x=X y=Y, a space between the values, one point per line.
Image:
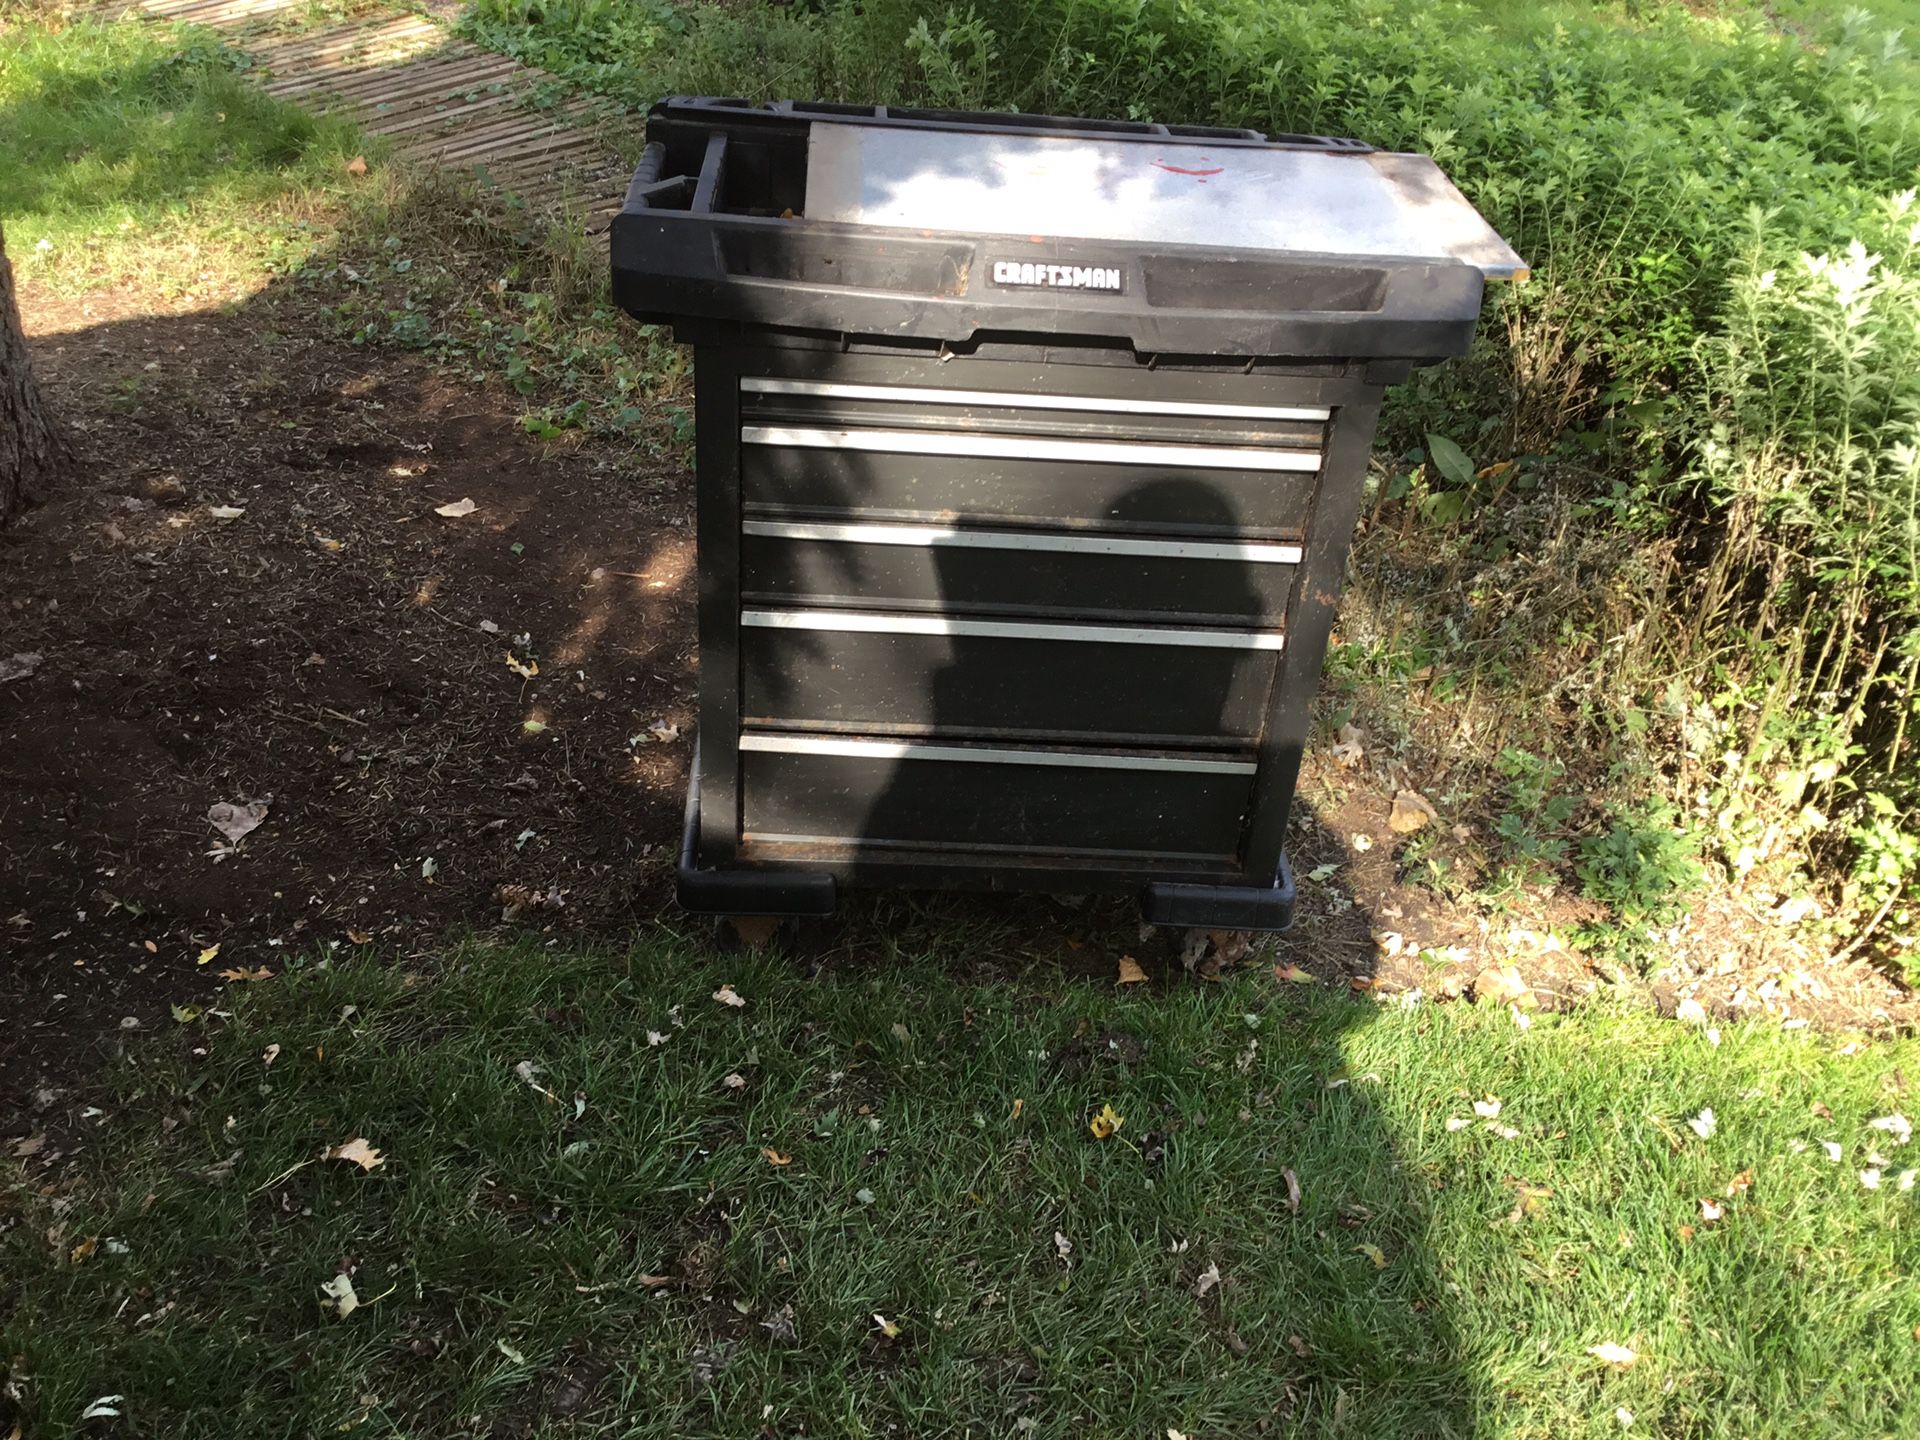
x=1028 y=454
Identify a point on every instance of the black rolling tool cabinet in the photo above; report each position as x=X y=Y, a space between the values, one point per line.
x=1028 y=454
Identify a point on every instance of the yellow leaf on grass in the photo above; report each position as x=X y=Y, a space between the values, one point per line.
x=1018 y=1106
x=774 y=1157
x=1740 y=1184
x=83 y=1252
x=1293 y=975
x=887 y=1327
x=1130 y=971
x=358 y=1152
x=1106 y=1124
x=1375 y=1254
x=212 y=952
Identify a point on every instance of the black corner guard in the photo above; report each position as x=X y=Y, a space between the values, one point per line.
x=1221 y=907
x=744 y=892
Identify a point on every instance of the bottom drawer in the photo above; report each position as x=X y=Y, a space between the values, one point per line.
x=806 y=789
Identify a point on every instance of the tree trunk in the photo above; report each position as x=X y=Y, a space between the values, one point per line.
x=31 y=450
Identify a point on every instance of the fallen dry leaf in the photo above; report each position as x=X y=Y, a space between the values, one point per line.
x=1691 y=1011
x=1130 y=971
x=1375 y=1254
x=1209 y=1278
x=359 y=937
x=226 y=512
x=239 y=976
x=20 y=666
x=1706 y=1124
x=1740 y=1184
x=1018 y=1105
x=357 y=165
x=726 y=996
x=526 y=670
x=269 y=1055
x=1106 y=1124
x=1411 y=811
x=774 y=1157
x=1618 y=1356
x=1711 y=1210
x=755 y=931
x=1503 y=985
x=337 y=1297
x=1487 y=1109
x=358 y=1152
x=83 y=1252
x=1349 y=746
x=1293 y=975
x=1299 y=1347
x=211 y=953
x=457 y=509
x=886 y=1327
x=735 y=1081
x=1293 y=1190
x=654 y=1282
x=1063 y=1247
x=236 y=822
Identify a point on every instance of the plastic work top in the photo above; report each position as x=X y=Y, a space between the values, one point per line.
x=1289 y=201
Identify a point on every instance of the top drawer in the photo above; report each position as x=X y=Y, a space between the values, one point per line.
x=833 y=450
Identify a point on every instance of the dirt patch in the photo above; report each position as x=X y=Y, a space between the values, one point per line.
x=245 y=594
x=336 y=650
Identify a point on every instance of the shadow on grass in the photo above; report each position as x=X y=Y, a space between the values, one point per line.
x=868 y=1200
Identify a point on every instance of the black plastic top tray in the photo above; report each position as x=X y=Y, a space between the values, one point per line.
x=949 y=226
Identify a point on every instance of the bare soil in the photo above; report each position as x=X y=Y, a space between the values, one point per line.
x=340 y=653
x=337 y=651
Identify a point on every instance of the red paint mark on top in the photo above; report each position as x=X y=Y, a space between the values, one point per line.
x=1184 y=170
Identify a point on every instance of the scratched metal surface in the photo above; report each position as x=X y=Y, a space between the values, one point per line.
x=1140 y=192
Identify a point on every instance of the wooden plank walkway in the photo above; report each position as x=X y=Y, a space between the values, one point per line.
x=436 y=96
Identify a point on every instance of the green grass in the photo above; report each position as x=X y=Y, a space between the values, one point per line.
x=507 y=1234
x=136 y=151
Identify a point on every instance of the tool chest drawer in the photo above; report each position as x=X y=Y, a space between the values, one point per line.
x=934 y=674
x=902 y=476
x=981 y=570
x=851 y=451
x=810 y=790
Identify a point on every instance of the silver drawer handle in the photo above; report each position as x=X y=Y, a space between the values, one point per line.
x=1066 y=544
x=1017 y=400
x=982 y=755
x=1021 y=447
x=865 y=622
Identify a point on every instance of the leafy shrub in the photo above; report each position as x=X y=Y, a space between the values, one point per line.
x=1642 y=868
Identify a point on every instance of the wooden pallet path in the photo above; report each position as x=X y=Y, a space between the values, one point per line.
x=436 y=96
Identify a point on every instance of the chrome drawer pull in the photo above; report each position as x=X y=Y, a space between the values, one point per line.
x=1017 y=400
x=1021 y=447
x=1067 y=544
x=966 y=754
x=865 y=622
